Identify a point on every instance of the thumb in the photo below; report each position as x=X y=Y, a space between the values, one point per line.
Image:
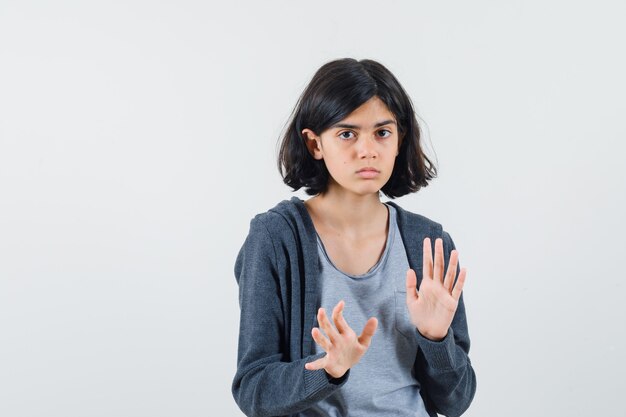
x=315 y=365
x=411 y=286
x=368 y=331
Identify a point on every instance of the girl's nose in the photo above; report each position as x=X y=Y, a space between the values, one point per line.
x=367 y=147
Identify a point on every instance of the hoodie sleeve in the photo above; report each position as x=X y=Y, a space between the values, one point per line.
x=444 y=367
x=265 y=383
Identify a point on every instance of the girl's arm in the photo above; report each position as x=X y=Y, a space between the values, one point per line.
x=266 y=383
x=443 y=367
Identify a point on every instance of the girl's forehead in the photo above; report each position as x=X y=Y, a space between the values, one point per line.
x=373 y=113
x=371 y=124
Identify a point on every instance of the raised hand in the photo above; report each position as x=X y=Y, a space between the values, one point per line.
x=432 y=309
x=342 y=346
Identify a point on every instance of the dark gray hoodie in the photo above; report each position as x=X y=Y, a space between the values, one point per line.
x=276 y=269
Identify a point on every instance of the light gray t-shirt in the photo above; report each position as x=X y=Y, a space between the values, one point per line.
x=383 y=382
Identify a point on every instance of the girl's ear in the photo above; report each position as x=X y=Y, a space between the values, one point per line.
x=313 y=143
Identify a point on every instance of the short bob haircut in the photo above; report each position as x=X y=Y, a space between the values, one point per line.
x=337 y=89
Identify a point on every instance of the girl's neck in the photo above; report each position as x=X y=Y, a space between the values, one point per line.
x=349 y=214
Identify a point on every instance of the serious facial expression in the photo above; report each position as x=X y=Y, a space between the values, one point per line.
x=360 y=150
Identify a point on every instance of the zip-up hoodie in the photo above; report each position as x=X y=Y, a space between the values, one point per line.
x=277 y=269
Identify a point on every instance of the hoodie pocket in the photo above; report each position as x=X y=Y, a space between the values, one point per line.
x=402 y=321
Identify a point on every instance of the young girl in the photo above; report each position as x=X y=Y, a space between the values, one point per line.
x=395 y=341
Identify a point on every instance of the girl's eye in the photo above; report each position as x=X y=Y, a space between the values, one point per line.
x=386 y=135
x=345 y=135
x=347 y=132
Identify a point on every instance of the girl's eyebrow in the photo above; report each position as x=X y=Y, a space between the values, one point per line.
x=349 y=126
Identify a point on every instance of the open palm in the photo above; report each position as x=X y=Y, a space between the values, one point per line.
x=342 y=345
x=432 y=309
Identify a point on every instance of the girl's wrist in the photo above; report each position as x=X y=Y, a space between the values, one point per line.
x=432 y=336
x=336 y=373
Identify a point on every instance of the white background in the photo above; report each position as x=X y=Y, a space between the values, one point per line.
x=138 y=139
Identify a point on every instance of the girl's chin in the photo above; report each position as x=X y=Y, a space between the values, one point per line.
x=363 y=191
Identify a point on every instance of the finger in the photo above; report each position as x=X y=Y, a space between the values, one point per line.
x=368 y=331
x=316 y=364
x=451 y=273
x=438 y=270
x=338 y=319
x=326 y=325
x=427 y=260
x=411 y=286
x=320 y=339
x=458 y=287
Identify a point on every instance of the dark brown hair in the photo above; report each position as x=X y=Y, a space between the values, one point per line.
x=337 y=89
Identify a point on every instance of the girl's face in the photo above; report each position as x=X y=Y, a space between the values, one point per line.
x=366 y=139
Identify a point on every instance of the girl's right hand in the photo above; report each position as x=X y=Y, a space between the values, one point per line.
x=343 y=348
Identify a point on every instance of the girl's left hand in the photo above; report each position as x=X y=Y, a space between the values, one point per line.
x=432 y=309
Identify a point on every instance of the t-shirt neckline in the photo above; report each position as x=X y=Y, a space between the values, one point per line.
x=372 y=271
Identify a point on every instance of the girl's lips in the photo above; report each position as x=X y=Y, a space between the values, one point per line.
x=367 y=173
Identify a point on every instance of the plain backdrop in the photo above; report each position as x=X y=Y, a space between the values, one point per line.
x=138 y=139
